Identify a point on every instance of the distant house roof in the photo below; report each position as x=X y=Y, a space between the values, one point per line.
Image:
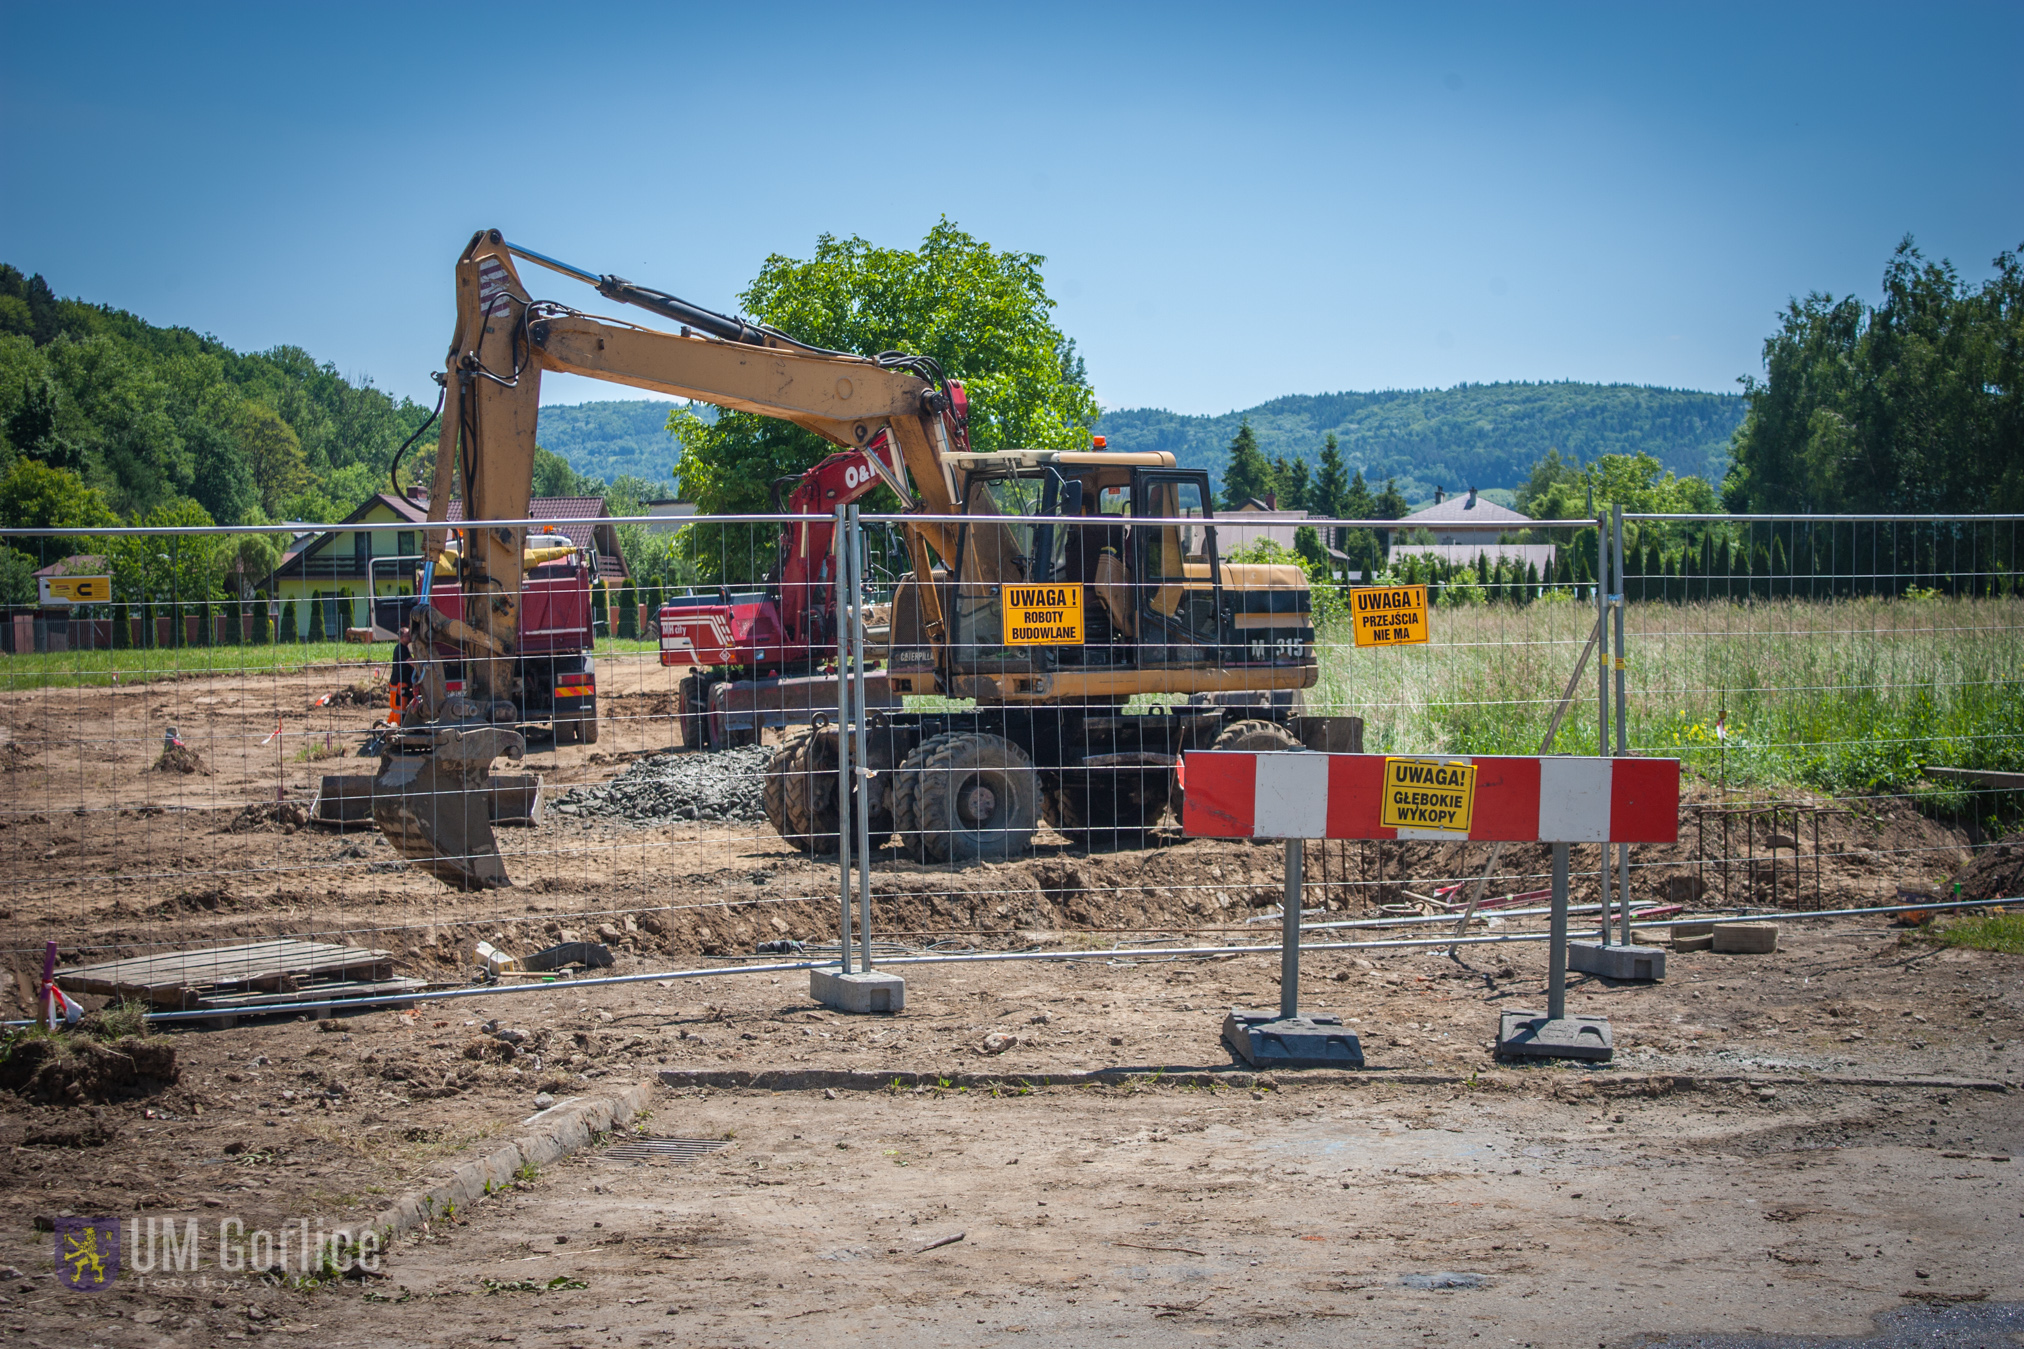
x=1540 y=555
x=77 y=564
x=1466 y=514
x=574 y=518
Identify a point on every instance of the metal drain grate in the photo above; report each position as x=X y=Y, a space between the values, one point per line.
x=674 y=1149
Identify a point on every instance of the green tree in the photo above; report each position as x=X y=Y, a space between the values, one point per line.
x=272 y=454
x=1913 y=404
x=221 y=480
x=32 y=427
x=36 y=496
x=1329 y=494
x=1289 y=483
x=1357 y=502
x=1549 y=472
x=166 y=570
x=1247 y=476
x=983 y=314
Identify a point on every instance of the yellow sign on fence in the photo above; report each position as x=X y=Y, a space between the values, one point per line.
x=1428 y=794
x=76 y=589
x=1043 y=615
x=1389 y=615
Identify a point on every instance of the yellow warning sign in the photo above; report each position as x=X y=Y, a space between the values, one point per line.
x=1043 y=615
x=76 y=589
x=1428 y=794
x=1389 y=615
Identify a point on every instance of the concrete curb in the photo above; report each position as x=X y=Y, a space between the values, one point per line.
x=818 y=1079
x=566 y=1130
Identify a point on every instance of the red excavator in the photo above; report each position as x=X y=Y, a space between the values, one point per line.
x=754 y=651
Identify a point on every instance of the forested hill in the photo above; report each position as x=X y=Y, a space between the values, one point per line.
x=614 y=438
x=1482 y=435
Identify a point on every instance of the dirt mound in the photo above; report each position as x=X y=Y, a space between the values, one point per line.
x=364 y=693
x=287 y=816
x=72 y=1070
x=1996 y=873
x=179 y=759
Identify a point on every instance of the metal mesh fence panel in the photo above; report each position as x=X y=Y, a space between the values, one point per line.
x=190 y=724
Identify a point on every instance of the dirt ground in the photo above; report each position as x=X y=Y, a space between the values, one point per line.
x=1803 y=1148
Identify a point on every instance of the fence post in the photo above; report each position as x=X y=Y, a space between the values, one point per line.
x=843 y=931
x=1602 y=652
x=1622 y=734
x=860 y=804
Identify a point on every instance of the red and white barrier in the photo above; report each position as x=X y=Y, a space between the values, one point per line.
x=1550 y=799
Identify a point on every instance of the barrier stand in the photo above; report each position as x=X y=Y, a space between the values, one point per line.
x=1290 y=1040
x=866 y=990
x=1556 y=1035
x=1621 y=959
x=1557 y=799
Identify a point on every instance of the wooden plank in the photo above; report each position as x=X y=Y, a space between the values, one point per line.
x=178 y=978
x=334 y=992
x=138 y=968
x=263 y=955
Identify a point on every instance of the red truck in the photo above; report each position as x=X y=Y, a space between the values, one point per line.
x=558 y=674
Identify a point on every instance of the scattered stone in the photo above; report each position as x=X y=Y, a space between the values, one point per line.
x=542 y=1100
x=1443 y=1280
x=997 y=1042
x=724 y=786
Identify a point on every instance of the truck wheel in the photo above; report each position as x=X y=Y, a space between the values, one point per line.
x=589 y=728
x=689 y=716
x=568 y=732
x=800 y=792
x=1113 y=806
x=978 y=799
x=906 y=794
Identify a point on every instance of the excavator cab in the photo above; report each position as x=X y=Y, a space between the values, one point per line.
x=1150 y=592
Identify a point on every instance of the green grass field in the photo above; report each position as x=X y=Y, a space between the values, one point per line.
x=1842 y=696
x=1845 y=696
x=95 y=669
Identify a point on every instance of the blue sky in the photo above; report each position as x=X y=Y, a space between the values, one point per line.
x=1236 y=202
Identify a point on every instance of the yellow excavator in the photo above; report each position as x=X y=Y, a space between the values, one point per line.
x=1222 y=648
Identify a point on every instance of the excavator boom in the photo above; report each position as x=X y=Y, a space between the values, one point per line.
x=429 y=794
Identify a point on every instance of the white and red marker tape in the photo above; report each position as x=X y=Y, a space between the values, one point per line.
x=1551 y=799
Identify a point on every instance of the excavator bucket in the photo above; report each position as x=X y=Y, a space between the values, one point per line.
x=432 y=803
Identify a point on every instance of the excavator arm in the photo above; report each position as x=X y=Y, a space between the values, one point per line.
x=430 y=798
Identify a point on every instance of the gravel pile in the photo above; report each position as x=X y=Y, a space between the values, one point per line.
x=722 y=786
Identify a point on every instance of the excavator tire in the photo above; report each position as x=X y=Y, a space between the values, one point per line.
x=906 y=819
x=978 y=799
x=800 y=791
x=690 y=717
x=1112 y=807
x=1256 y=736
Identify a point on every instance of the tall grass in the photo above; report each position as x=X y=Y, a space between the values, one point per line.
x=1837 y=695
